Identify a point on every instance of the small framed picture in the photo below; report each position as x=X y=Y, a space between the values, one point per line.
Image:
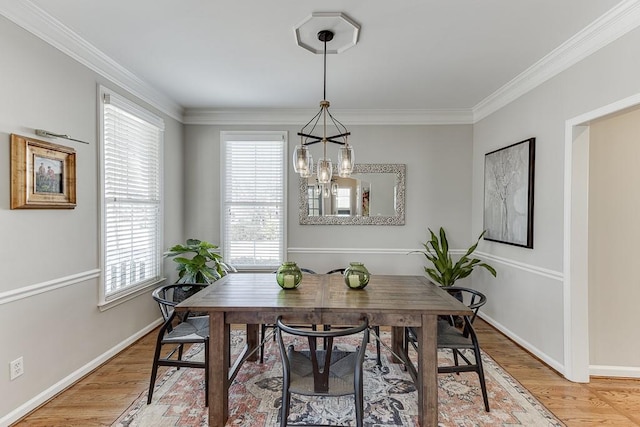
x=508 y=194
x=43 y=175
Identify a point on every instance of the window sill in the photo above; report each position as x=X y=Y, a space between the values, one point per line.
x=127 y=296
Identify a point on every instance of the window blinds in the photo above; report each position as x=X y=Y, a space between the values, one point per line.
x=132 y=196
x=253 y=201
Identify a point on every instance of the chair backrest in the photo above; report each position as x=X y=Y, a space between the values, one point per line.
x=336 y=271
x=164 y=296
x=469 y=297
x=321 y=359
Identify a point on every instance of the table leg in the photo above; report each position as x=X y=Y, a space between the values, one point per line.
x=397 y=342
x=428 y=371
x=253 y=332
x=218 y=370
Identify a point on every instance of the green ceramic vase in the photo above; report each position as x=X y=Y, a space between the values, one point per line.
x=289 y=275
x=356 y=276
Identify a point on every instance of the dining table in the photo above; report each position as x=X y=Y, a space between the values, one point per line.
x=395 y=301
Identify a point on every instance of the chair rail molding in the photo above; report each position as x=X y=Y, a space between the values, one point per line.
x=551 y=274
x=39 y=288
x=376 y=251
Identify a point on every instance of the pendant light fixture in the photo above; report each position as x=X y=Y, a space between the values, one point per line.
x=302 y=159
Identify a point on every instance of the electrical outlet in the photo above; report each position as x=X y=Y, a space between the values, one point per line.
x=16 y=367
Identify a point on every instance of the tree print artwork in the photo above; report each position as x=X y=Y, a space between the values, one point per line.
x=508 y=195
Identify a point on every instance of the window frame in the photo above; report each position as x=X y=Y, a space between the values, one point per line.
x=238 y=136
x=111 y=299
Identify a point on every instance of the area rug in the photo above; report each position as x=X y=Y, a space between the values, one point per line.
x=389 y=394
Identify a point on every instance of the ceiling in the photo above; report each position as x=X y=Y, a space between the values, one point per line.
x=242 y=54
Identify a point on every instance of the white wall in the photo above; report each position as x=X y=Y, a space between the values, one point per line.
x=438 y=193
x=614 y=230
x=49 y=258
x=526 y=300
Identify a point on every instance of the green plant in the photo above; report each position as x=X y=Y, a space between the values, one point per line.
x=206 y=266
x=444 y=271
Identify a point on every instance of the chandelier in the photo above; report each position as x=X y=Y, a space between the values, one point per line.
x=302 y=159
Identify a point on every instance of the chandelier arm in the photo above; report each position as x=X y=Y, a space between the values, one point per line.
x=338 y=125
x=315 y=139
x=316 y=118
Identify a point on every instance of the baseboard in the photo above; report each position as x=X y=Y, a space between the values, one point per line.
x=71 y=379
x=614 y=371
x=554 y=364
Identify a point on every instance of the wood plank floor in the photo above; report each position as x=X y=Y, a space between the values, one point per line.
x=102 y=396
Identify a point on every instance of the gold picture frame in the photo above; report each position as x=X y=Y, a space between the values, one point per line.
x=43 y=175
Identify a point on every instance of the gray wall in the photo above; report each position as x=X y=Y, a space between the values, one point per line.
x=438 y=193
x=50 y=258
x=526 y=300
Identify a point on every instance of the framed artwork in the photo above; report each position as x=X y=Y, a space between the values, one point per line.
x=43 y=175
x=508 y=194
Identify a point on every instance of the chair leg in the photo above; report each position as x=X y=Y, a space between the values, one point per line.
x=483 y=384
x=206 y=372
x=263 y=332
x=455 y=357
x=359 y=402
x=284 y=411
x=180 y=349
x=377 y=331
x=154 y=370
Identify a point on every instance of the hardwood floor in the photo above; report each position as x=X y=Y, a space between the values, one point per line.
x=101 y=397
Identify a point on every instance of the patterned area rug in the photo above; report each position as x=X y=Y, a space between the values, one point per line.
x=390 y=397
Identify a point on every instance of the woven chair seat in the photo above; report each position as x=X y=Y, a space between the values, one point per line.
x=194 y=329
x=341 y=372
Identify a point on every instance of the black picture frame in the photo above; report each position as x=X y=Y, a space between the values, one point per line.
x=508 y=194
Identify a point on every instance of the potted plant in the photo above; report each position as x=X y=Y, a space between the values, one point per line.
x=206 y=265
x=443 y=270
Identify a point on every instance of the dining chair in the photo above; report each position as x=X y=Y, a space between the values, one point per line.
x=321 y=372
x=458 y=339
x=176 y=331
x=265 y=326
x=376 y=329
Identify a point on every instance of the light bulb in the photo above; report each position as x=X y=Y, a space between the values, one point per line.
x=325 y=171
x=346 y=160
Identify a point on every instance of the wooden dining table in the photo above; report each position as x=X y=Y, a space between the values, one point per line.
x=252 y=299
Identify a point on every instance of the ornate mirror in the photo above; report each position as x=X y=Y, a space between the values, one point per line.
x=372 y=195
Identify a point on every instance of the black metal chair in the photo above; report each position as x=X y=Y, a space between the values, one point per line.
x=321 y=372
x=265 y=326
x=457 y=339
x=176 y=331
x=376 y=329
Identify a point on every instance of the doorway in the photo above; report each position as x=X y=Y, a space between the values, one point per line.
x=576 y=237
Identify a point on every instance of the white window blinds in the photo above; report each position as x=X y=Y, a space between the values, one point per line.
x=132 y=196
x=253 y=193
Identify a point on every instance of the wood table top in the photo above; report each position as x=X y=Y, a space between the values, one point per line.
x=259 y=292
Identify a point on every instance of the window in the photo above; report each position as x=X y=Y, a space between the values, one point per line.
x=315 y=200
x=131 y=147
x=343 y=201
x=253 y=196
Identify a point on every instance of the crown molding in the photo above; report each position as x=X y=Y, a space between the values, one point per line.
x=617 y=22
x=350 y=117
x=612 y=25
x=33 y=19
